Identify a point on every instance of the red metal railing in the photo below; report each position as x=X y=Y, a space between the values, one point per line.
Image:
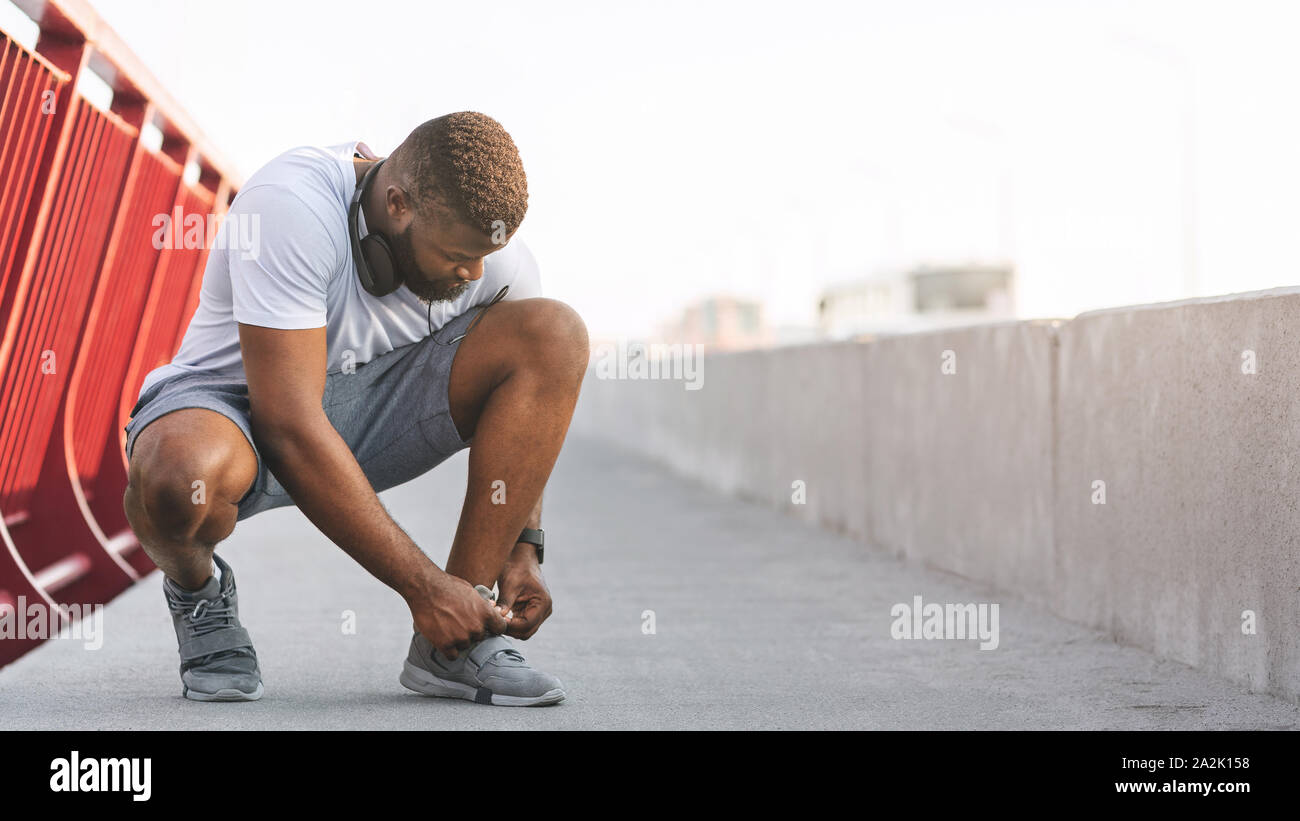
x=88 y=303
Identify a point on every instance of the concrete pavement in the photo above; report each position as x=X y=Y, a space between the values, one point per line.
x=762 y=622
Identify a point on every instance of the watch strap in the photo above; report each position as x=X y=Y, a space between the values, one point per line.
x=535 y=537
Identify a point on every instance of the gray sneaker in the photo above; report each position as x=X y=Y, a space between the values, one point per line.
x=218 y=662
x=490 y=672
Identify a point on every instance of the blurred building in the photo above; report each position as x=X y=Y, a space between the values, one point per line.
x=722 y=323
x=918 y=299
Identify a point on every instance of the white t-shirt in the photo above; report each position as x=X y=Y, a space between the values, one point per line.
x=283 y=259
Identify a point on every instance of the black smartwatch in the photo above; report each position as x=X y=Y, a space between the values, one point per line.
x=534 y=537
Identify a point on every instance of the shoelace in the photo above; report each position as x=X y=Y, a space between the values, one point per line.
x=482 y=589
x=208 y=616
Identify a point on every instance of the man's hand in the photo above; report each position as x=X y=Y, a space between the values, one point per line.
x=451 y=614
x=522 y=589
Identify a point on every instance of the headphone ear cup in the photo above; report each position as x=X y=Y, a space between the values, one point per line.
x=379 y=259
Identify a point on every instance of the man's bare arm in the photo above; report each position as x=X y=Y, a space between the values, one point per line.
x=535 y=519
x=286 y=382
x=535 y=523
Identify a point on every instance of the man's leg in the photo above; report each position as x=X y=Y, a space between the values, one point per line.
x=188 y=470
x=169 y=455
x=514 y=384
x=512 y=387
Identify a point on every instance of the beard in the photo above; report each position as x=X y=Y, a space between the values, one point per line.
x=428 y=292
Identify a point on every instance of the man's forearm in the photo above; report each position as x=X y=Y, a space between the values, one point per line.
x=535 y=518
x=324 y=480
x=534 y=522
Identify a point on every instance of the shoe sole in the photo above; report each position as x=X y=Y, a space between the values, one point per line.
x=230 y=694
x=425 y=683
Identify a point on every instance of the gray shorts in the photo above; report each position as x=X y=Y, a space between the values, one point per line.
x=393 y=412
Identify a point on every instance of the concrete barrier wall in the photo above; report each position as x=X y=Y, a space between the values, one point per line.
x=989 y=468
x=1200 y=463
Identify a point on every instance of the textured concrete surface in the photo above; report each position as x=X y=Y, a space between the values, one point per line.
x=1200 y=462
x=988 y=472
x=762 y=620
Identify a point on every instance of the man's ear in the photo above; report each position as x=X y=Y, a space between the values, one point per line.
x=397 y=201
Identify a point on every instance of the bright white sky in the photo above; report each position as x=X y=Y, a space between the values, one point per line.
x=679 y=149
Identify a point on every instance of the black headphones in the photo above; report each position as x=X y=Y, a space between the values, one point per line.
x=373 y=256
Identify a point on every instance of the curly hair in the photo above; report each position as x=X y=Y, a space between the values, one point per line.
x=465 y=162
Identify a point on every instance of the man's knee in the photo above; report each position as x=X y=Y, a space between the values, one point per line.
x=553 y=336
x=180 y=488
x=160 y=500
